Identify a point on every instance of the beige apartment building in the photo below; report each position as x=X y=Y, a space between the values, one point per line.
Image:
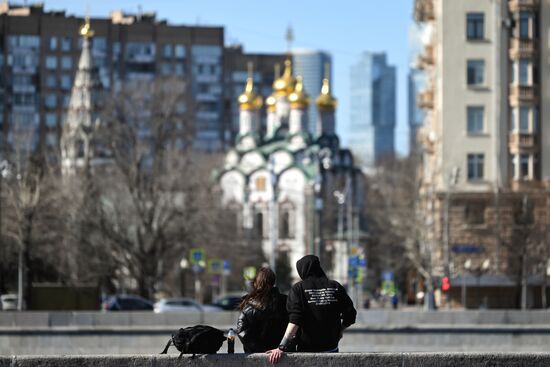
x=486 y=148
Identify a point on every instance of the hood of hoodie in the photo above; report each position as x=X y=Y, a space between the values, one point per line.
x=309 y=266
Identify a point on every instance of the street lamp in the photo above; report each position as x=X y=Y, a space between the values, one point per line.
x=184 y=265
x=318 y=210
x=274 y=230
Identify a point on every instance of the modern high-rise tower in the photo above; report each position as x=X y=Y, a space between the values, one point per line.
x=311 y=64
x=373 y=88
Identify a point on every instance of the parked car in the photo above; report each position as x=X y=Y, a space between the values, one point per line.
x=230 y=302
x=8 y=302
x=182 y=305
x=127 y=303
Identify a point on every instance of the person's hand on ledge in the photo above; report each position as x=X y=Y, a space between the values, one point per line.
x=274 y=355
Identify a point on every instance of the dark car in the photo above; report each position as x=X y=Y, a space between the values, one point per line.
x=127 y=303
x=229 y=302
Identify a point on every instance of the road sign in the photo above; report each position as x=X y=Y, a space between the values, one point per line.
x=197 y=257
x=215 y=266
x=249 y=273
x=226 y=267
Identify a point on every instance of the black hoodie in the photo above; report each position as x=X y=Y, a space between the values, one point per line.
x=319 y=306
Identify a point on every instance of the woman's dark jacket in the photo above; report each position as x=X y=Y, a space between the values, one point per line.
x=260 y=329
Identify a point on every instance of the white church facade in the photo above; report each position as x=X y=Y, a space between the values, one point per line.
x=298 y=191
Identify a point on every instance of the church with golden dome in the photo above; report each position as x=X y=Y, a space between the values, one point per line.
x=293 y=192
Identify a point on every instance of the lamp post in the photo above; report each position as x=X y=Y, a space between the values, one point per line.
x=184 y=265
x=467 y=266
x=273 y=213
x=318 y=211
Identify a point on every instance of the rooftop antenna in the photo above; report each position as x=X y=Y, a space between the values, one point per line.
x=250 y=67
x=327 y=71
x=140 y=12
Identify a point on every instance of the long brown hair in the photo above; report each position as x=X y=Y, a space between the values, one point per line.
x=261 y=290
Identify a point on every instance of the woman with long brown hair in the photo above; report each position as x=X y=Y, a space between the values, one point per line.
x=263 y=317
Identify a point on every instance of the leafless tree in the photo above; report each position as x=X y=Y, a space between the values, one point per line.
x=397 y=228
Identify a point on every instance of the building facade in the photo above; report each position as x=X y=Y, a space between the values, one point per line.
x=40 y=52
x=373 y=109
x=486 y=143
x=313 y=66
x=283 y=184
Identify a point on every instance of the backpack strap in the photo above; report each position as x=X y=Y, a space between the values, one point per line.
x=167 y=346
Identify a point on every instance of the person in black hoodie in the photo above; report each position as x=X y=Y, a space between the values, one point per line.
x=263 y=317
x=319 y=308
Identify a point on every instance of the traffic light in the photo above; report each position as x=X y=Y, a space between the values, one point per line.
x=445 y=284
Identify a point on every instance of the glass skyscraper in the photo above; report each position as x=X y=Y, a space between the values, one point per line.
x=373 y=115
x=310 y=64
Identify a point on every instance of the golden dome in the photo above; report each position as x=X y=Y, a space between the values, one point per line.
x=86 y=30
x=284 y=85
x=298 y=98
x=249 y=100
x=326 y=101
x=270 y=102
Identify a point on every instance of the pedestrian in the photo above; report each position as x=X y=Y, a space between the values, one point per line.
x=263 y=317
x=319 y=308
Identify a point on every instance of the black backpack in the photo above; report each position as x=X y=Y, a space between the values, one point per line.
x=200 y=339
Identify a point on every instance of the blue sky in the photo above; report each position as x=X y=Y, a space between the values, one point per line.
x=344 y=28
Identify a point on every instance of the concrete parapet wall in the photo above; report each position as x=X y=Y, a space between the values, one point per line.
x=386 y=318
x=296 y=359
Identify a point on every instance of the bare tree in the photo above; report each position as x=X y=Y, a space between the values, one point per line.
x=393 y=204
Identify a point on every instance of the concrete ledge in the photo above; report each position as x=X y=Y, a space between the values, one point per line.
x=296 y=359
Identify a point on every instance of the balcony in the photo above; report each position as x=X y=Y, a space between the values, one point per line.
x=425 y=99
x=522 y=48
x=427 y=58
x=519 y=141
x=424 y=10
x=523 y=94
x=519 y=5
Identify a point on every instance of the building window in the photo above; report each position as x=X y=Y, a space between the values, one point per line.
x=524 y=113
x=475 y=166
x=53 y=43
x=165 y=68
x=66 y=82
x=474 y=213
x=475 y=72
x=258 y=224
x=51 y=62
x=524 y=72
x=50 y=100
x=51 y=81
x=523 y=212
x=524 y=160
x=476 y=120
x=51 y=120
x=260 y=183
x=179 y=51
x=24 y=99
x=66 y=100
x=66 y=62
x=66 y=44
x=167 y=51
x=179 y=69
x=475 y=26
x=524 y=25
x=286 y=224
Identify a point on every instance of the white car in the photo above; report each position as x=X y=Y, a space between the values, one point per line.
x=182 y=305
x=8 y=302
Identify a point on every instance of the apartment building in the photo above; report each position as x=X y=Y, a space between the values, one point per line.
x=39 y=52
x=486 y=144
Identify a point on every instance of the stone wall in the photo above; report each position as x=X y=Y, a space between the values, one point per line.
x=297 y=359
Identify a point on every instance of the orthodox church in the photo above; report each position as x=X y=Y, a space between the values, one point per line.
x=297 y=192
